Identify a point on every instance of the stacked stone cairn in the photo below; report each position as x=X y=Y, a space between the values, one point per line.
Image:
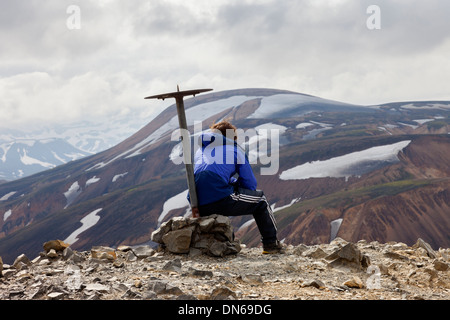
x=211 y=235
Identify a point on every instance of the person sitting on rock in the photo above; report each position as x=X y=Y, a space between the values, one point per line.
x=217 y=161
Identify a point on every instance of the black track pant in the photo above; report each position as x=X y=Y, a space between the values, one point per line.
x=243 y=202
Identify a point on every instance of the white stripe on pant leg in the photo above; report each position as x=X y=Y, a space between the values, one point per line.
x=245 y=199
x=253 y=199
x=272 y=217
x=238 y=198
x=246 y=196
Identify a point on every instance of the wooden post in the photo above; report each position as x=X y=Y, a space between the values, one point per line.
x=186 y=141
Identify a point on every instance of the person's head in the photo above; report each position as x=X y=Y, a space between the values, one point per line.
x=225 y=127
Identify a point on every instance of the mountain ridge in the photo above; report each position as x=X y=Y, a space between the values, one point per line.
x=133 y=181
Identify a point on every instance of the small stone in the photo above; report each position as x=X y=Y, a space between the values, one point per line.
x=158 y=286
x=20 y=265
x=222 y=221
x=422 y=244
x=316 y=283
x=252 y=278
x=8 y=273
x=67 y=253
x=348 y=256
x=23 y=276
x=142 y=252
x=149 y=295
x=57 y=245
x=55 y=295
x=395 y=255
x=130 y=257
x=339 y=242
x=217 y=249
x=399 y=246
x=440 y=266
x=170 y=289
x=222 y=293
x=178 y=241
x=200 y=273
x=103 y=253
x=178 y=223
x=130 y=294
x=158 y=234
x=96 y=287
x=124 y=248
x=315 y=253
x=194 y=252
x=21 y=262
x=118 y=264
x=355 y=282
x=52 y=253
x=174 y=265
x=77 y=257
x=433 y=273
x=206 y=224
x=298 y=250
x=162 y=287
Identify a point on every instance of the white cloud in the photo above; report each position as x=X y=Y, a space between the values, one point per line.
x=126 y=50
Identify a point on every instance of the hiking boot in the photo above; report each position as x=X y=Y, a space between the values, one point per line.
x=274 y=247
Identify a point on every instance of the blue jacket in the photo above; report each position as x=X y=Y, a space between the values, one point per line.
x=215 y=164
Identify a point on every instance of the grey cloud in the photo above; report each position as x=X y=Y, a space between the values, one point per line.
x=317 y=47
x=159 y=18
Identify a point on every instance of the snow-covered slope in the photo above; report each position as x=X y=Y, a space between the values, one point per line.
x=351 y=164
x=20 y=158
x=25 y=153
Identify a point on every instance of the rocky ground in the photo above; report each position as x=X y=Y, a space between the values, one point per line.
x=338 y=270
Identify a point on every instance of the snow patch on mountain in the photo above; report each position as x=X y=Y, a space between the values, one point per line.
x=275 y=209
x=176 y=202
x=246 y=224
x=351 y=164
x=118 y=176
x=422 y=121
x=439 y=106
x=258 y=143
x=72 y=193
x=303 y=125
x=7 y=214
x=8 y=195
x=92 y=180
x=87 y=222
x=335 y=225
x=276 y=104
x=177 y=152
x=271 y=126
x=27 y=160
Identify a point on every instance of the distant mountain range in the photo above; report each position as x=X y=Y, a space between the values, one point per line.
x=21 y=158
x=357 y=172
x=25 y=153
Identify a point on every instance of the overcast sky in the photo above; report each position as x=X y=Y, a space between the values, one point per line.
x=55 y=67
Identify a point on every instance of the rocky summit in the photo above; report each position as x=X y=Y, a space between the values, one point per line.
x=206 y=263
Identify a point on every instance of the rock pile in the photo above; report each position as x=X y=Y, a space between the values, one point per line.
x=211 y=235
x=338 y=270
